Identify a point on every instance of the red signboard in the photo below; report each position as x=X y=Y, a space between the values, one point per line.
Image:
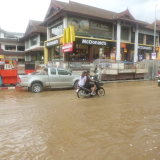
x=68 y=47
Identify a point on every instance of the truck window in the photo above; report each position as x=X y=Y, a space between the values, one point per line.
x=62 y=72
x=53 y=71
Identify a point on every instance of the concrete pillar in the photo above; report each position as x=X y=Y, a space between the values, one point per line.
x=48 y=33
x=65 y=23
x=118 y=45
x=39 y=40
x=45 y=55
x=144 y=39
x=113 y=32
x=136 y=45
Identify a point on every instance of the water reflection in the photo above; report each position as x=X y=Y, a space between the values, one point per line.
x=57 y=125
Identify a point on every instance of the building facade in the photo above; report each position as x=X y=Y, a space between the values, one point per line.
x=34 y=38
x=99 y=34
x=12 y=46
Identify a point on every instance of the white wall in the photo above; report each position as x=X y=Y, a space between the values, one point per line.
x=1 y=35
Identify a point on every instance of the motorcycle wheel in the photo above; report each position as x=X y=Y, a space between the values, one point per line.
x=100 y=92
x=81 y=93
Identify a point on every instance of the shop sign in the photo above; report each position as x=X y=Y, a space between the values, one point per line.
x=123 y=45
x=1 y=56
x=93 y=42
x=145 y=47
x=52 y=43
x=67 y=47
x=153 y=55
x=2 y=62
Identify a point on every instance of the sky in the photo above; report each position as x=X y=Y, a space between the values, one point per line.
x=15 y=14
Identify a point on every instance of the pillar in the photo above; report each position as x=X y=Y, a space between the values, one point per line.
x=45 y=55
x=136 y=45
x=118 y=45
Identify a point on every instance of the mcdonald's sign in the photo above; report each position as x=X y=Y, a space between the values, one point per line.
x=68 y=47
x=69 y=35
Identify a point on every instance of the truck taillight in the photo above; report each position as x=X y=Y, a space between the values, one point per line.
x=18 y=79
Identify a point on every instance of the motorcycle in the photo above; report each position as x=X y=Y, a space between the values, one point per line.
x=158 y=80
x=85 y=92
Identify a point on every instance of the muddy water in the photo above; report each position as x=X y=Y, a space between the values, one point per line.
x=56 y=125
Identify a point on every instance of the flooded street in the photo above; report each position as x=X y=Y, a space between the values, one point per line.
x=56 y=125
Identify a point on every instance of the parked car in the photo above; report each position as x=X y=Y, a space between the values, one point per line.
x=48 y=78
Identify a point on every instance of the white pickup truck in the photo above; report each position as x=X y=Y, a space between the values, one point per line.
x=48 y=78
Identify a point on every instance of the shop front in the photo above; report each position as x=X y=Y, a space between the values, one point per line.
x=89 y=49
x=127 y=52
x=54 y=48
x=144 y=52
x=84 y=50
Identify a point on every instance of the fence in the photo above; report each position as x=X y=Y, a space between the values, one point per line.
x=111 y=70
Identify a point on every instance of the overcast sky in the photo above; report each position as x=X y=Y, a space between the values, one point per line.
x=15 y=14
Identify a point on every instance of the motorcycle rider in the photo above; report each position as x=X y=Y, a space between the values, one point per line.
x=83 y=79
x=90 y=84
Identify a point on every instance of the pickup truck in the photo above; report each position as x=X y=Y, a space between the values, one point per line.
x=50 y=77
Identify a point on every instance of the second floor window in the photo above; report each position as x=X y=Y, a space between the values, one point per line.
x=10 y=47
x=125 y=33
x=150 y=39
x=140 y=38
x=20 y=48
x=33 y=40
x=56 y=30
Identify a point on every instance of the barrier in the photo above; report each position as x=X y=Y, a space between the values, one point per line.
x=9 y=76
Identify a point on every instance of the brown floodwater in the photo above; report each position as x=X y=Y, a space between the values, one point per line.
x=56 y=125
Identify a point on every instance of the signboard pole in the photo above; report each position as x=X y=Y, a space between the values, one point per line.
x=68 y=58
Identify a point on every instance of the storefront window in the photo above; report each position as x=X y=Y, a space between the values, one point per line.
x=80 y=53
x=55 y=53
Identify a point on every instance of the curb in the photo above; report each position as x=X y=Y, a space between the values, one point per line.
x=9 y=88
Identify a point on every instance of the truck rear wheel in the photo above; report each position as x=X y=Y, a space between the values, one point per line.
x=36 y=88
x=29 y=89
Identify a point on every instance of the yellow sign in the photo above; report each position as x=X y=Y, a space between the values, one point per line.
x=69 y=35
x=1 y=56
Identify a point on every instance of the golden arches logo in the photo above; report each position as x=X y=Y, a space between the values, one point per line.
x=69 y=35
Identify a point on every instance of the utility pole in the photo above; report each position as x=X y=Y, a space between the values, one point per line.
x=154 y=46
x=155 y=28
